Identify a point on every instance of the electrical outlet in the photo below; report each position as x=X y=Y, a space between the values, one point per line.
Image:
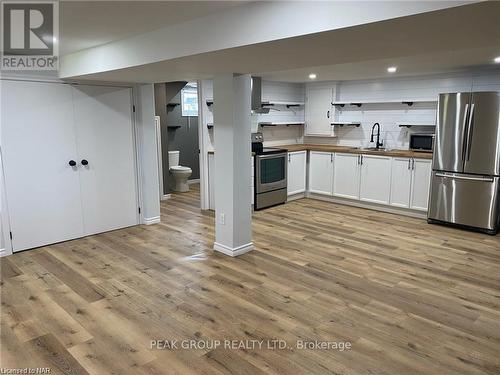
x=223 y=219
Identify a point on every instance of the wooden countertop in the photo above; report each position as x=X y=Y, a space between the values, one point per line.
x=351 y=150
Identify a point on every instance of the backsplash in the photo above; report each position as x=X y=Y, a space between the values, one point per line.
x=391 y=115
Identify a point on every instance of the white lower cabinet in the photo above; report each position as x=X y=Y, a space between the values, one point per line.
x=375 y=179
x=346 y=175
x=396 y=181
x=401 y=182
x=296 y=176
x=321 y=172
x=421 y=178
x=410 y=183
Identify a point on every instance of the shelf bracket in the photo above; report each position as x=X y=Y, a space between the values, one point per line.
x=357 y=104
x=408 y=103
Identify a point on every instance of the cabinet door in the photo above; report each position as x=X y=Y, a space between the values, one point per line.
x=318 y=110
x=38 y=141
x=375 y=180
x=346 y=175
x=296 y=172
x=320 y=172
x=401 y=182
x=105 y=140
x=421 y=181
x=211 y=180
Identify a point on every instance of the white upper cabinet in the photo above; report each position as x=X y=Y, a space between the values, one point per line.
x=319 y=111
x=346 y=175
x=375 y=179
x=321 y=172
x=421 y=169
x=401 y=182
x=297 y=172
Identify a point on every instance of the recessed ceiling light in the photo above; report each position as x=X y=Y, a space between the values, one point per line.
x=312 y=76
x=497 y=59
x=392 y=69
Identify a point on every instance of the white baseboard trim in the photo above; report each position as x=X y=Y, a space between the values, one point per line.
x=370 y=206
x=151 y=220
x=233 y=252
x=165 y=197
x=194 y=181
x=295 y=197
x=5 y=252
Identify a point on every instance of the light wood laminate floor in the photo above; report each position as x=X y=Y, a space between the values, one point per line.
x=412 y=298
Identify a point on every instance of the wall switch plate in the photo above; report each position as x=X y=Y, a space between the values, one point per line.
x=223 y=219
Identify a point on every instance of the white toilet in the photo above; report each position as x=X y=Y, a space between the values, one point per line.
x=179 y=173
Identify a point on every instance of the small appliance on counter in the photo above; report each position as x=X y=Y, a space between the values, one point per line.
x=423 y=142
x=270 y=174
x=466 y=162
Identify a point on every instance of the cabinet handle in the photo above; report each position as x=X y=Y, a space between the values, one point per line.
x=412 y=163
x=84 y=162
x=361 y=159
x=331 y=158
x=409 y=164
x=72 y=163
x=327 y=114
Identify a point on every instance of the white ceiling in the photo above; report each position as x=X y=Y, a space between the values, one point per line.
x=441 y=41
x=85 y=24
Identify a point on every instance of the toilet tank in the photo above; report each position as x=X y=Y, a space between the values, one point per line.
x=173 y=158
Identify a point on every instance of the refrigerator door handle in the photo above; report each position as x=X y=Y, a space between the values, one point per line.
x=465 y=138
x=469 y=178
x=469 y=132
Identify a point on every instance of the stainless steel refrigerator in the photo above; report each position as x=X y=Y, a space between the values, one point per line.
x=466 y=162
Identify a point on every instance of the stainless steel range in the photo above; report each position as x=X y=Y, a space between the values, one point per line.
x=270 y=174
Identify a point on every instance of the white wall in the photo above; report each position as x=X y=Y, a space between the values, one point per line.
x=251 y=23
x=281 y=92
x=391 y=115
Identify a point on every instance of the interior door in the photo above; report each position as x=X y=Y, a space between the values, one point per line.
x=106 y=157
x=38 y=141
x=483 y=136
x=451 y=131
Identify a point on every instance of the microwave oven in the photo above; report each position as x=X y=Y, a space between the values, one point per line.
x=422 y=142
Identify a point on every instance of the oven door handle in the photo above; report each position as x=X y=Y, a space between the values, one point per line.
x=271 y=156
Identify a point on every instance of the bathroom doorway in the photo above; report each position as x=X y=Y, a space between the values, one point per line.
x=176 y=106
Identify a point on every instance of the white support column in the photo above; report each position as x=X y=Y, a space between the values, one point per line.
x=233 y=213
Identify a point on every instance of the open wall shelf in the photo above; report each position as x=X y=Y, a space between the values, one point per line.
x=416 y=125
x=281 y=123
x=356 y=124
x=407 y=102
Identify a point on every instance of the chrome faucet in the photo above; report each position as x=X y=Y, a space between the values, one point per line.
x=378 y=144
